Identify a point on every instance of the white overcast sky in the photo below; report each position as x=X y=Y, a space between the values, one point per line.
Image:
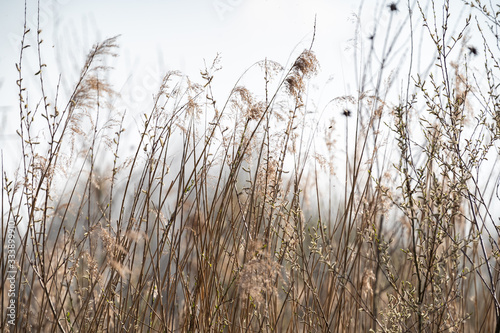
x=157 y=36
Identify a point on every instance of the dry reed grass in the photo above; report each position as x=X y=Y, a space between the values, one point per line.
x=237 y=233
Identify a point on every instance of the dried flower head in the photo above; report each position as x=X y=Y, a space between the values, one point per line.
x=306 y=64
x=256 y=110
x=271 y=68
x=294 y=84
x=258 y=274
x=244 y=94
x=120 y=268
x=367 y=283
x=92 y=267
x=111 y=244
x=304 y=67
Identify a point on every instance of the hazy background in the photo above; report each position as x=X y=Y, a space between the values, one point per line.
x=157 y=36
